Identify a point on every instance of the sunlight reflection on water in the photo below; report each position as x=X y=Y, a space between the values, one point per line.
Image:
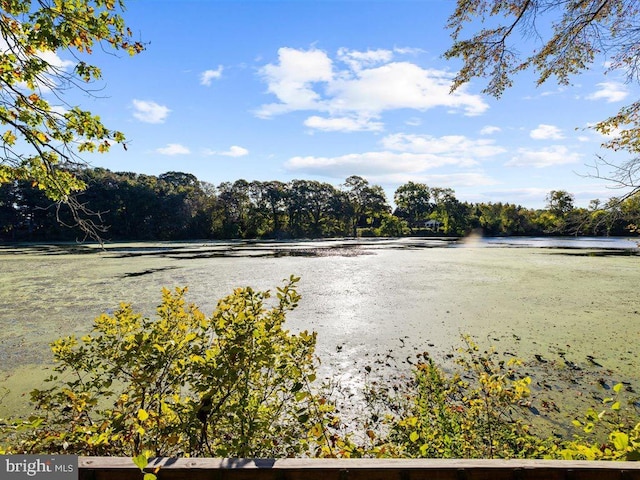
x=375 y=303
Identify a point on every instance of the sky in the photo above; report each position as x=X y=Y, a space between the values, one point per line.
x=325 y=89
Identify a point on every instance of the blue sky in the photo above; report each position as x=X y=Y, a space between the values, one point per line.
x=324 y=89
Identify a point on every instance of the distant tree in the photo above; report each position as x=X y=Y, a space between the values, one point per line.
x=449 y=210
x=566 y=38
x=412 y=200
x=269 y=199
x=559 y=202
x=309 y=206
x=233 y=199
x=391 y=226
x=180 y=196
x=43 y=141
x=368 y=202
x=622 y=218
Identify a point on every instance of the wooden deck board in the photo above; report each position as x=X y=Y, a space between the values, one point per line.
x=112 y=468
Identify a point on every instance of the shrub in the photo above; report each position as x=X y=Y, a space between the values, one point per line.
x=472 y=414
x=236 y=384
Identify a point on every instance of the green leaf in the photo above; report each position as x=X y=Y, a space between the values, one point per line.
x=140 y=461
x=615 y=406
x=414 y=436
x=620 y=441
x=617 y=387
x=149 y=476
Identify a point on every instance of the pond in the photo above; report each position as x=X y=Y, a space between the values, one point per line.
x=375 y=303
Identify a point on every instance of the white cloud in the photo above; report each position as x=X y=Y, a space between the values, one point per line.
x=55 y=61
x=408 y=51
x=150 y=112
x=401 y=155
x=358 y=60
x=400 y=85
x=609 y=91
x=234 y=151
x=453 y=180
x=208 y=75
x=545 y=157
x=370 y=85
x=549 y=93
x=59 y=110
x=343 y=124
x=490 y=130
x=49 y=78
x=371 y=163
x=292 y=78
x=173 y=149
x=546 y=132
x=449 y=145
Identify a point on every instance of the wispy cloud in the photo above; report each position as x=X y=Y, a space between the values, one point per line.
x=449 y=145
x=150 y=112
x=545 y=157
x=369 y=163
x=233 y=151
x=490 y=130
x=208 y=76
x=546 y=132
x=343 y=124
x=357 y=60
x=173 y=149
x=401 y=155
x=609 y=91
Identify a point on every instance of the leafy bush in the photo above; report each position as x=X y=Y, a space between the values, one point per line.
x=236 y=384
x=608 y=434
x=477 y=413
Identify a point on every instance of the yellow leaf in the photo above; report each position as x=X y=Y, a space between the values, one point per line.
x=142 y=415
x=9 y=138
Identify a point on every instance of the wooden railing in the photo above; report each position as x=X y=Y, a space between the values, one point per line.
x=106 y=468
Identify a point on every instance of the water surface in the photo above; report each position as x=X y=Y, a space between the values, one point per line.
x=374 y=303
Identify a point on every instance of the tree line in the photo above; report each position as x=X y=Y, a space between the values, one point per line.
x=177 y=206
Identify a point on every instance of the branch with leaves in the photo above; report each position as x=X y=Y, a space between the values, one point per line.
x=578 y=32
x=43 y=141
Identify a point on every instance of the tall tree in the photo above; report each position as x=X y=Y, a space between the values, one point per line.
x=413 y=203
x=269 y=200
x=236 y=205
x=43 y=140
x=559 y=202
x=367 y=202
x=580 y=33
x=449 y=210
